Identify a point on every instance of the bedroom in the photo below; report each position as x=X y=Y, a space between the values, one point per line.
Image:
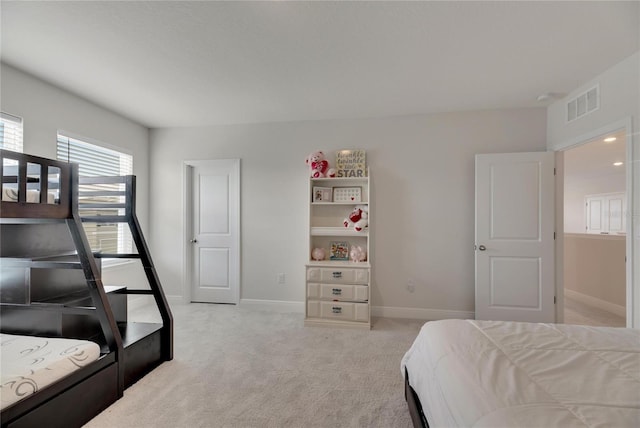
x=412 y=150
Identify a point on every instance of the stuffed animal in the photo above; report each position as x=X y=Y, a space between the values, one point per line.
x=319 y=166
x=357 y=254
x=359 y=218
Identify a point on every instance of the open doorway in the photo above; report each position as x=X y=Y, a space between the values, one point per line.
x=595 y=205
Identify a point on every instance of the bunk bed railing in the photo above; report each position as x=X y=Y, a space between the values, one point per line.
x=31 y=186
x=45 y=211
x=40 y=190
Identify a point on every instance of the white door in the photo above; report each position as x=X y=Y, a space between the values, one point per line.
x=515 y=237
x=215 y=255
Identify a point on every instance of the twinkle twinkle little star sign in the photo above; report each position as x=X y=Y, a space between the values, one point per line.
x=351 y=163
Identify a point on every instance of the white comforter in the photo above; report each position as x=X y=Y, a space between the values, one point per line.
x=505 y=374
x=28 y=364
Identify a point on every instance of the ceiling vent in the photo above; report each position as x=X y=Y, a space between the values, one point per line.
x=583 y=104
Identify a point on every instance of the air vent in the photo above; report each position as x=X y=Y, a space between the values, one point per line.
x=583 y=104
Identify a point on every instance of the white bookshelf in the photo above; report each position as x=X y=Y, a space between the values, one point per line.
x=338 y=291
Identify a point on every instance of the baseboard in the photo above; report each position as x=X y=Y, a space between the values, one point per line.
x=419 y=313
x=596 y=303
x=273 y=305
x=175 y=300
x=376 y=311
x=136 y=302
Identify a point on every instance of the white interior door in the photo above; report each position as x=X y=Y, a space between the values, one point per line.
x=515 y=237
x=215 y=276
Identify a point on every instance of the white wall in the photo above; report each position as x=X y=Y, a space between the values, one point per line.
x=594 y=267
x=575 y=191
x=619 y=106
x=46 y=109
x=423 y=198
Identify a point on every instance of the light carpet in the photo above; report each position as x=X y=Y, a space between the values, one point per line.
x=237 y=367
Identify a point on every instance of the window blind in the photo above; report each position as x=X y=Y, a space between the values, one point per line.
x=10 y=132
x=95 y=161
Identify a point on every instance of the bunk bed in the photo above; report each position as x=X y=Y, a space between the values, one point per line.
x=53 y=301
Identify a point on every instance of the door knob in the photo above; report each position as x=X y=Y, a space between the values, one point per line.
x=482 y=248
x=193 y=241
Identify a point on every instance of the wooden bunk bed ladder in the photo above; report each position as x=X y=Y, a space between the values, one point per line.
x=129 y=217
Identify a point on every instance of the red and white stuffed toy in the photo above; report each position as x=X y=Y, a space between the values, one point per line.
x=359 y=218
x=319 y=166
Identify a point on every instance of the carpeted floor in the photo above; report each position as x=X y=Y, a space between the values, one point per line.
x=236 y=367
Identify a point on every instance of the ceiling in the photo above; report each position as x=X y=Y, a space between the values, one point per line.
x=596 y=158
x=182 y=63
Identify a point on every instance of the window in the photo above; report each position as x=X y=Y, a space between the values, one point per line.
x=97 y=161
x=10 y=132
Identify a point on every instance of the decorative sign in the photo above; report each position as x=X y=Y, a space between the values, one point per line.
x=351 y=163
x=339 y=251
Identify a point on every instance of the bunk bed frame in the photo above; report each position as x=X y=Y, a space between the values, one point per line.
x=128 y=350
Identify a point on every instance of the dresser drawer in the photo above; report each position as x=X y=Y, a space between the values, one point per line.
x=342 y=292
x=345 y=311
x=313 y=309
x=313 y=290
x=339 y=275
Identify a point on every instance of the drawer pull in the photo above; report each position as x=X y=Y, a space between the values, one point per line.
x=336 y=309
x=336 y=291
x=337 y=274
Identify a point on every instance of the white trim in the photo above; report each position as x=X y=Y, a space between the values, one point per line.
x=633 y=283
x=592 y=135
x=632 y=307
x=559 y=230
x=175 y=300
x=186 y=231
x=596 y=195
x=281 y=306
x=376 y=311
x=596 y=236
x=419 y=313
x=594 y=302
x=136 y=302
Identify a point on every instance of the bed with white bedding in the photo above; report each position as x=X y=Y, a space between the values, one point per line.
x=469 y=373
x=10 y=194
x=28 y=363
x=30 y=394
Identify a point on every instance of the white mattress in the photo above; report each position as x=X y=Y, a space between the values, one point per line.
x=10 y=194
x=505 y=374
x=28 y=363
